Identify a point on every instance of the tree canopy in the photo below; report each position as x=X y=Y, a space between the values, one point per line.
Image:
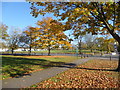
x=96 y=17
x=51 y=34
x=3 y=31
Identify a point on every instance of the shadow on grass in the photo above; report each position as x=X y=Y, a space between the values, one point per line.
x=17 y=67
x=25 y=54
x=70 y=65
x=96 y=69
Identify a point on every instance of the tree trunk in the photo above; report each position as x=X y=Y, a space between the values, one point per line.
x=101 y=53
x=118 y=68
x=30 y=45
x=107 y=49
x=30 y=50
x=24 y=49
x=48 y=50
x=79 y=43
x=12 y=51
x=91 y=50
x=80 y=51
x=111 y=31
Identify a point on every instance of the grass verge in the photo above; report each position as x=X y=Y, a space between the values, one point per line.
x=15 y=66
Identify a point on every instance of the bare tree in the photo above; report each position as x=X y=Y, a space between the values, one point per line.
x=13 y=41
x=90 y=41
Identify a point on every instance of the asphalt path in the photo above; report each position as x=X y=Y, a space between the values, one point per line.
x=39 y=76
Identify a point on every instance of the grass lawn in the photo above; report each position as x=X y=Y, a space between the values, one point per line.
x=92 y=74
x=46 y=51
x=56 y=51
x=14 y=66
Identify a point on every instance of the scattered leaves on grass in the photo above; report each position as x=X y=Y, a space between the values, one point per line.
x=17 y=66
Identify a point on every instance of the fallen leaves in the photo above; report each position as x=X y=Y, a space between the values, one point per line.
x=93 y=74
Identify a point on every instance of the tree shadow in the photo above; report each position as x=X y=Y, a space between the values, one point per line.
x=67 y=65
x=18 y=67
x=96 y=69
x=21 y=54
x=72 y=65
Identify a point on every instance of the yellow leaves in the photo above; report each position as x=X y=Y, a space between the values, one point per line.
x=81 y=11
x=111 y=40
x=96 y=13
x=37 y=28
x=49 y=33
x=39 y=23
x=53 y=38
x=101 y=22
x=61 y=42
x=46 y=30
x=77 y=9
x=52 y=42
x=26 y=31
x=45 y=35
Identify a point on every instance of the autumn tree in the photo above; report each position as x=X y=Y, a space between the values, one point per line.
x=3 y=31
x=3 y=35
x=91 y=14
x=109 y=44
x=100 y=44
x=105 y=44
x=29 y=37
x=51 y=34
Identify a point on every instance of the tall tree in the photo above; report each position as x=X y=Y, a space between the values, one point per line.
x=24 y=41
x=92 y=14
x=13 y=41
x=78 y=35
x=30 y=36
x=3 y=35
x=51 y=34
x=100 y=44
x=3 y=31
x=109 y=44
x=105 y=44
x=90 y=41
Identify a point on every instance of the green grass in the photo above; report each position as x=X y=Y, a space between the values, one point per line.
x=14 y=66
x=45 y=51
x=57 y=51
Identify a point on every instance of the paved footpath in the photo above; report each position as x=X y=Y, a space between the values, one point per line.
x=39 y=76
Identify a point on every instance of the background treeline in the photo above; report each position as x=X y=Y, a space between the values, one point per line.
x=49 y=35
